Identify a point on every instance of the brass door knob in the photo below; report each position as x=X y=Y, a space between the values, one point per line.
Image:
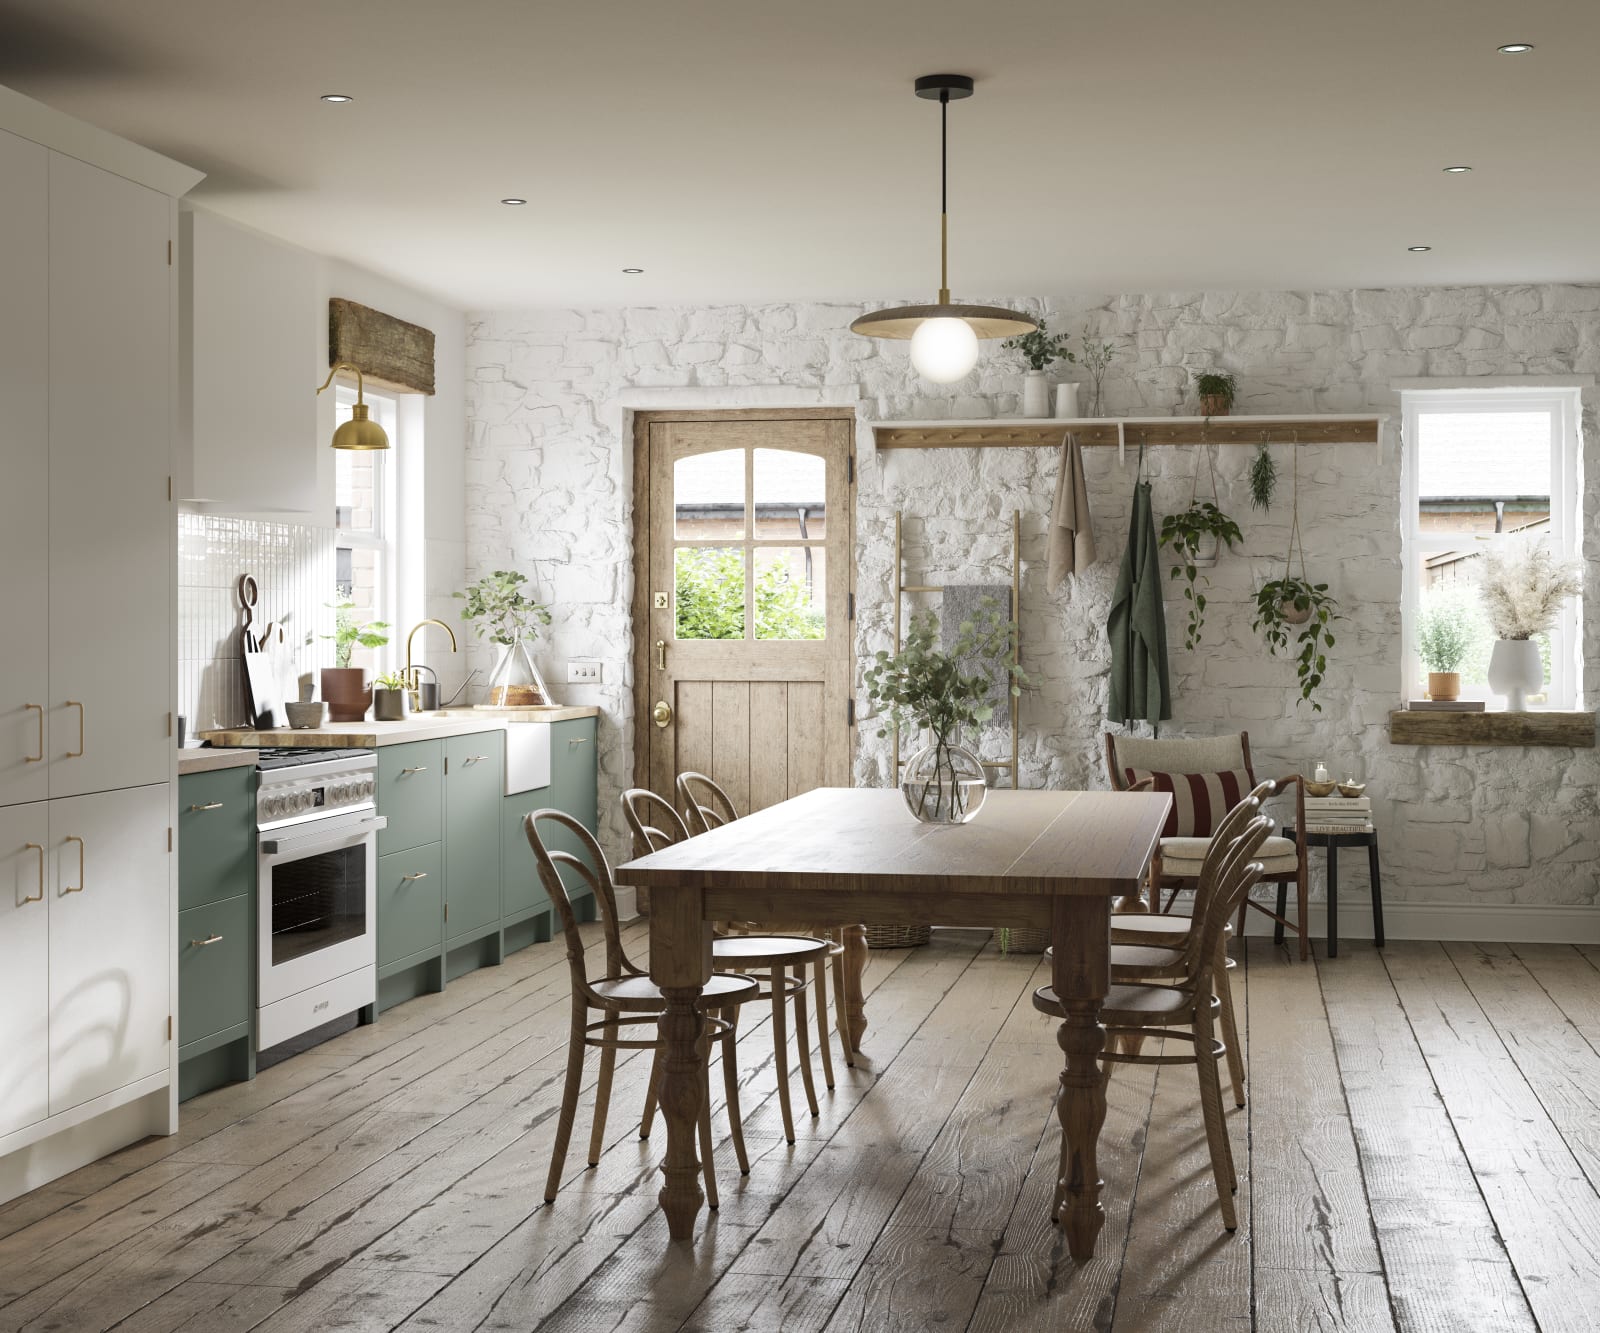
x=662 y=712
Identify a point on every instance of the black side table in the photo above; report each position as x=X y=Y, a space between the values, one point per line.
x=1367 y=838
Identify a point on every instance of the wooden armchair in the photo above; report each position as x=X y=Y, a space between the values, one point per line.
x=1206 y=776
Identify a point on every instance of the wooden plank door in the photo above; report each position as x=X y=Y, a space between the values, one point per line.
x=746 y=604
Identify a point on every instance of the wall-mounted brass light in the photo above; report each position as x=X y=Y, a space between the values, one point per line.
x=360 y=432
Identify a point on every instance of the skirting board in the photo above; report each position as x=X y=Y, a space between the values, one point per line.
x=1498 y=923
x=49 y=1159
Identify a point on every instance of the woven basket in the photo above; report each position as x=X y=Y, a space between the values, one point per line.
x=1025 y=939
x=897 y=937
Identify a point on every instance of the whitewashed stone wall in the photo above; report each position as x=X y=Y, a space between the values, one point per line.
x=549 y=492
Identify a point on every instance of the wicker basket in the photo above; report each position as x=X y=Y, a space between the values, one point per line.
x=897 y=937
x=1024 y=939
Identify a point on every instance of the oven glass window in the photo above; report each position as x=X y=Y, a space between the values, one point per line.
x=318 y=902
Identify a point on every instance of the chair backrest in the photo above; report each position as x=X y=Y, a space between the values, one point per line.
x=1236 y=874
x=545 y=829
x=655 y=824
x=706 y=805
x=1184 y=754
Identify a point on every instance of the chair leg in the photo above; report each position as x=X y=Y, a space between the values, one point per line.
x=841 y=1023
x=652 y=1095
x=802 y=1042
x=780 y=1049
x=1303 y=903
x=730 y=1087
x=1216 y=1123
x=707 y=1166
x=1230 y=1026
x=569 y=1101
x=602 y=1092
x=819 y=980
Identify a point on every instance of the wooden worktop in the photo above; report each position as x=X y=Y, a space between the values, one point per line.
x=207 y=760
x=416 y=727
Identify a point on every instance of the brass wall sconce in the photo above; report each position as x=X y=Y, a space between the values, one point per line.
x=361 y=431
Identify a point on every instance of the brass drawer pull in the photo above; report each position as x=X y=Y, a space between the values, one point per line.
x=209 y=805
x=36 y=758
x=36 y=897
x=78 y=887
x=421 y=874
x=200 y=944
x=78 y=753
x=576 y=740
x=420 y=768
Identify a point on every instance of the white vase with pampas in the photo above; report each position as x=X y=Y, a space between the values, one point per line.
x=1522 y=584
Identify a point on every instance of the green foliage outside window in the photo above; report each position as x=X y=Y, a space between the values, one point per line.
x=710 y=598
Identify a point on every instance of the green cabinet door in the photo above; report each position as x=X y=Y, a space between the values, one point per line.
x=472 y=794
x=213 y=968
x=572 y=770
x=410 y=903
x=411 y=795
x=216 y=835
x=523 y=893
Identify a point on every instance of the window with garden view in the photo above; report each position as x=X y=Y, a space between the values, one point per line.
x=1481 y=465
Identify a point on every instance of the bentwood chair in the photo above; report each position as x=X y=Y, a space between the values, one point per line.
x=1133 y=1012
x=1206 y=776
x=625 y=997
x=778 y=961
x=707 y=806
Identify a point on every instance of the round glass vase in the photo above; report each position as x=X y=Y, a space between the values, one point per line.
x=944 y=783
x=515 y=681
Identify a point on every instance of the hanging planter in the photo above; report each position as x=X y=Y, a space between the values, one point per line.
x=1197 y=536
x=1294 y=603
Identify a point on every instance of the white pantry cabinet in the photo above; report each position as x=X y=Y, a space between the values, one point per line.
x=24 y=488
x=24 y=965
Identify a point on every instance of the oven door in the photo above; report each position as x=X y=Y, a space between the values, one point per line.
x=317 y=903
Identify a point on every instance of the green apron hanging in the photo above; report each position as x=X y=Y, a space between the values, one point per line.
x=1137 y=628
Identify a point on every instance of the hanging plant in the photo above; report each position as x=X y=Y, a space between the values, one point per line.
x=1293 y=606
x=1263 y=478
x=1197 y=536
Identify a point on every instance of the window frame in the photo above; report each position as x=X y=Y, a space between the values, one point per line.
x=1564 y=404
x=385 y=409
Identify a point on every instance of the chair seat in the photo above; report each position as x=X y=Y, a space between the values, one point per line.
x=641 y=995
x=1183 y=857
x=1164 y=930
x=1130 y=1005
x=767 y=950
x=1137 y=961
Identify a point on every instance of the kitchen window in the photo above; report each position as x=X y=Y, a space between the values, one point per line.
x=364 y=516
x=1480 y=463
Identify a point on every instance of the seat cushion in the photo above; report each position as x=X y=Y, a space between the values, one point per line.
x=1185 y=856
x=1199 y=800
x=1162 y=929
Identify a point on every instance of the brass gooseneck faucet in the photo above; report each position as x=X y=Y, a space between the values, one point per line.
x=413 y=679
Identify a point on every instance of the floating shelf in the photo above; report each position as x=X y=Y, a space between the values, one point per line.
x=1545 y=727
x=1032 y=432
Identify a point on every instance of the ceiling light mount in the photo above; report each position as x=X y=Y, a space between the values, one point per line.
x=336 y=98
x=1419 y=249
x=513 y=202
x=944 y=337
x=633 y=270
x=1456 y=171
x=1514 y=48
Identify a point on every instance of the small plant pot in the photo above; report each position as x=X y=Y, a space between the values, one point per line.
x=1516 y=671
x=1444 y=686
x=346 y=692
x=388 y=705
x=1035 y=394
x=1207 y=548
x=1292 y=614
x=1214 y=405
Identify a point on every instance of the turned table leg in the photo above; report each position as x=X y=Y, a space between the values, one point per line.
x=680 y=963
x=855 y=966
x=1081 y=974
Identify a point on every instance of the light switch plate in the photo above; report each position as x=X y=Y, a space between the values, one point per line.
x=584 y=671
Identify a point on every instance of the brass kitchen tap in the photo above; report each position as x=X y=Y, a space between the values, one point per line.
x=413 y=678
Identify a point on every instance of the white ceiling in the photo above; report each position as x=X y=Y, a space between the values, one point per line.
x=747 y=150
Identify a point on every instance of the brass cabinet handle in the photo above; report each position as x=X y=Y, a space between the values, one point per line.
x=421 y=768
x=78 y=753
x=210 y=939
x=576 y=740
x=78 y=887
x=421 y=874
x=209 y=805
x=661 y=714
x=37 y=897
x=661 y=654
x=36 y=758
x=476 y=758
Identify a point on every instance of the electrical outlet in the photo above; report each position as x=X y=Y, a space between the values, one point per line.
x=584 y=671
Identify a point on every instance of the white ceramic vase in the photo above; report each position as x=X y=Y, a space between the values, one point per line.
x=1067 y=401
x=1516 y=671
x=1035 y=394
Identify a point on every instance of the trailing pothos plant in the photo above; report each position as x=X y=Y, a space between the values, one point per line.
x=1296 y=607
x=1186 y=533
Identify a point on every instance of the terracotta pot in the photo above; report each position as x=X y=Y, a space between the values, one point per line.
x=1214 y=405
x=346 y=692
x=1292 y=614
x=1443 y=686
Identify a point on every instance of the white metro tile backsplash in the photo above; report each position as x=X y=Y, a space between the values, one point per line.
x=294 y=567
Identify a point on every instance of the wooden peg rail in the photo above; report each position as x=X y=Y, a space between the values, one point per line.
x=1033 y=432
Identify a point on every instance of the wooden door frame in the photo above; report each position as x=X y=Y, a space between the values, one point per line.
x=639 y=605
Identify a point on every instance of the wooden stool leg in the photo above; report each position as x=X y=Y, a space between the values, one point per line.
x=569 y=1100
x=802 y=1042
x=819 y=980
x=1211 y=1109
x=730 y=1087
x=1230 y=1025
x=780 y=1049
x=602 y=1092
x=1377 y=892
x=652 y=1095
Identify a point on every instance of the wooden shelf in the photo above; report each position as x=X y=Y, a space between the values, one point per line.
x=1035 y=432
x=1546 y=727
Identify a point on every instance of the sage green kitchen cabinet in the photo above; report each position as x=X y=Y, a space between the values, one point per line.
x=573 y=770
x=216 y=836
x=410 y=907
x=410 y=795
x=474 y=781
x=213 y=971
x=523 y=894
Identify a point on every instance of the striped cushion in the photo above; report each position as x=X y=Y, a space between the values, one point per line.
x=1199 y=800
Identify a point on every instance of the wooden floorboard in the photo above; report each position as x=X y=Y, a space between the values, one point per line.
x=1419 y=1152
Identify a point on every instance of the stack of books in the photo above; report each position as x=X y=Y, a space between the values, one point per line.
x=1445 y=705
x=1353 y=812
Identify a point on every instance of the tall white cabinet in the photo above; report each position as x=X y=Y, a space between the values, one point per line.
x=88 y=900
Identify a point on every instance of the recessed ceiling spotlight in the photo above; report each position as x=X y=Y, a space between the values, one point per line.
x=514 y=203
x=1455 y=171
x=1419 y=249
x=337 y=97
x=1515 y=48
x=633 y=270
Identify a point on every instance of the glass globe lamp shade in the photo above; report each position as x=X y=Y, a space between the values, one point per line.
x=944 y=350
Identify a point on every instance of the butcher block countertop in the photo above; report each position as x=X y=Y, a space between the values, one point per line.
x=206 y=761
x=417 y=727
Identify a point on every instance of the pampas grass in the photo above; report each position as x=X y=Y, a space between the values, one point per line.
x=1522 y=583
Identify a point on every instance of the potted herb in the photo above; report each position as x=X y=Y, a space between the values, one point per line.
x=1038 y=349
x=1445 y=635
x=1216 y=389
x=1522 y=584
x=344 y=687
x=389 y=697
x=1096 y=357
x=1196 y=537
x=505 y=615
x=926 y=687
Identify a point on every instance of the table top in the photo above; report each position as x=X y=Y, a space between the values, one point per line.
x=845 y=839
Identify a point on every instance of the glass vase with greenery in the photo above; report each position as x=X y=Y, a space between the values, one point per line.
x=1041 y=347
x=501 y=612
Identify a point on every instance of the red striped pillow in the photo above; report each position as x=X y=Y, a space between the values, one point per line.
x=1199 y=800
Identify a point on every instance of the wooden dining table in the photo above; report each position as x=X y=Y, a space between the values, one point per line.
x=1051 y=860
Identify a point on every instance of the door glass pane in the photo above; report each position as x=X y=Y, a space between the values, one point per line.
x=318 y=902
x=790 y=492
x=708 y=496
x=710 y=592
x=791 y=585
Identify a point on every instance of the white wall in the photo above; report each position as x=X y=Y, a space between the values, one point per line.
x=549 y=492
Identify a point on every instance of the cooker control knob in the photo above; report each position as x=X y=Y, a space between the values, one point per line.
x=337 y=793
x=273 y=807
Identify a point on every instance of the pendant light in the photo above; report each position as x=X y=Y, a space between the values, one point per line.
x=944 y=337
x=360 y=432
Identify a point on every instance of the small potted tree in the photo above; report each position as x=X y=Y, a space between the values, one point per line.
x=505 y=615
x=1039 y=349
x=344 y=687
x=1216 y=389
x=1444 y=638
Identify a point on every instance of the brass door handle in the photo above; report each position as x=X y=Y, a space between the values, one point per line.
x=78 y=887
x=211 y=939
x=421 y=874
x=209 y=805
x=36 y=758
x=78 y=753
x=661 y=714
x=661 y=654
x=36 y=897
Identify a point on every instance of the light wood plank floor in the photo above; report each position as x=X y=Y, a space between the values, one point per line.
x=1421 y=1151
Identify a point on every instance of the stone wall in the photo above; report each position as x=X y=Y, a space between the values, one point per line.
x=549 y=491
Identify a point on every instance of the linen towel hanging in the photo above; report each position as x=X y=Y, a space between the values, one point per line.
x=1071 y=547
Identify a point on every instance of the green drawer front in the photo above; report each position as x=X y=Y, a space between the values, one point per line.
x=519 y=871
x=472 y=829
x=572 y=769
x=213 y=979
x=411 y=795
x=216 y=836
x=410 y=910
